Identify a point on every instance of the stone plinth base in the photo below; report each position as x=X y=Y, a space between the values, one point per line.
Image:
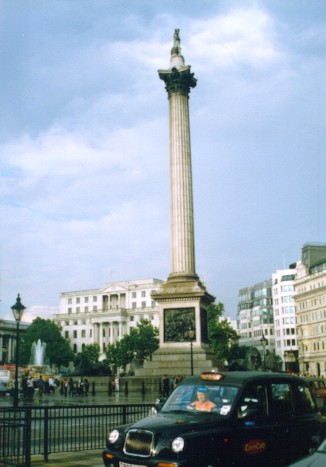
x=177 y=361
x=183 y=301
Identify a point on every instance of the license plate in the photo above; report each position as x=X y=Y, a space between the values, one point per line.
x=123 y=464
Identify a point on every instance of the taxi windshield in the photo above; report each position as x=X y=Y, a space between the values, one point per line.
x=202 y=398
x=322 y=447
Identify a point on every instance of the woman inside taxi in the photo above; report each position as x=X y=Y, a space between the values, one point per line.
x=202 y=403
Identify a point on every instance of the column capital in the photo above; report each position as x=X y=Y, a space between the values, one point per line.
x=178 y=80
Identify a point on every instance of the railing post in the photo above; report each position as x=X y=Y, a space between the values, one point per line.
x=27 y=440
x=126 y=388
x=46 y=434
x=124 y=414
x=143 y=388
x=93 y=388
x=110 y=387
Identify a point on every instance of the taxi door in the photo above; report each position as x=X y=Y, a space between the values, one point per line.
x=260 y=437
x=306 y=425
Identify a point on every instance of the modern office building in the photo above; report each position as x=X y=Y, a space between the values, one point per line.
x=310 y=299
x=290 y=311
x=286 y=345
x=255 y=316
x=105 y=315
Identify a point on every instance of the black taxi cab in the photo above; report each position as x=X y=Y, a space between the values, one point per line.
x=222 y=419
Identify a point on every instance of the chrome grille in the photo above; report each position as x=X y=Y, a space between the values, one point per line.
x=139 y=443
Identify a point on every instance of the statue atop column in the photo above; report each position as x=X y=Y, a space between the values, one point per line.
x=176 y=49
x=178 y=78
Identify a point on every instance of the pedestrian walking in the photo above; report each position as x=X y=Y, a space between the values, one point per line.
x=40 y=385
x=30 y=388
x=71 y=385
x=24 y=386
x=65 y=387
x=116 y=383
x=51 y=385
x=165 y=385
x=86 y=386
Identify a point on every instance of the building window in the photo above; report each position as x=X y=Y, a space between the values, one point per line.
x=90 y=332
x=143 y=304
x=86 y=309
x=133 y=294
x=69 y=311
x=69 y=301
x=78 y=309
x=83 y=333
x=75 y=334
x=95 y=298
x=94 y=307
x=86 y=299
x=143 y=293
x=103 y=332
x=66 y=334
x=133 y=304
x=78 y=300
x=75 y=348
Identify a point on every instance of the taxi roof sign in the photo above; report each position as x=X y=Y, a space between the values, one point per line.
x=211 y=376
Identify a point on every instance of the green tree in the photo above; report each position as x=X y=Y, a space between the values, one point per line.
x=58 y=351
x=238 y=356
x=272 y=361
x=139 y=344
x=89 y=356
x=146 y=340
x=112 y=356
x=220 y=332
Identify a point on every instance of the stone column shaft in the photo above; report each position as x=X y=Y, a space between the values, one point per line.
x=181 y=196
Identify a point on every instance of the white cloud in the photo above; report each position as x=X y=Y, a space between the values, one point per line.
x=44 y=312
x=85 y=146
x=239 y=38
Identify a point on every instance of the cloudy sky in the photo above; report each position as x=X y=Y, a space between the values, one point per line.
x=84 y=142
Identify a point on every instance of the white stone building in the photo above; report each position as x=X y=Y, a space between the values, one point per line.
x=105 y=315
x=8 y=338
x=286 y=345
x=310 y=298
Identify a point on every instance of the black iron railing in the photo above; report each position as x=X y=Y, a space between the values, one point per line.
x=44 y=430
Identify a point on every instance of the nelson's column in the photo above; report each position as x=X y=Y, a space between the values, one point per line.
x=183 y=299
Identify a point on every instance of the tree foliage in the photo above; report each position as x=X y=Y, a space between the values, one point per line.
x=273 y=362
x=138 y=345
x=220 y=332
x=58 y=351
x=89 y=356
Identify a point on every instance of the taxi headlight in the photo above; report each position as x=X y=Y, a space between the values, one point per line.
x=178 y=444
x=113 y=436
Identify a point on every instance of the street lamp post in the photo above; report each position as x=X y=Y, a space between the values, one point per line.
x=191 y=335
x=18 y=310
x=264 y=342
